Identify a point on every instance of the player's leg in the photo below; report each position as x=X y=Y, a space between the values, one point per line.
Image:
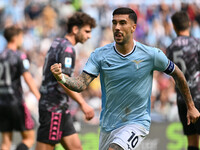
x=44 y=146
x=125 y=137
x=48 y=133
x=6 y=140
x=71 y=142
x=6 y=127
x=70 y=139
x=114 y=146
x=28 y=139
x=193 y=142
x=189 y=130
x=24 y=124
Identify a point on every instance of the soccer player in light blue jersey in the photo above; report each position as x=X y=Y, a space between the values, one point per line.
x=126 y=72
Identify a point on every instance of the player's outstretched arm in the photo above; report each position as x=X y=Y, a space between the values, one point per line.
x=87 y=110
x=192 y=113
x=77 y=84
x=31 y=84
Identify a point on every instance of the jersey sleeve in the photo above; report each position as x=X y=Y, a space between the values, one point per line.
x=23 y=63
x=92 y=66
x=162 y=63
x=67 y=58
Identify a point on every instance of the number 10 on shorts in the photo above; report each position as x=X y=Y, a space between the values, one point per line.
x=132 y=141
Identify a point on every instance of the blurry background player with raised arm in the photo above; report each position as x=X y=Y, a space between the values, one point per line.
x=185 y=52
x=56 y=123
x=126 y=72
x=14 y=115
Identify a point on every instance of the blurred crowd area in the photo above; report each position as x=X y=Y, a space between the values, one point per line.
x=43 y=20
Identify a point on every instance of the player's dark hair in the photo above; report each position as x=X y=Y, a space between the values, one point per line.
x=181 y=20
x=80 y=19
x=11 y=31
x=126 y=10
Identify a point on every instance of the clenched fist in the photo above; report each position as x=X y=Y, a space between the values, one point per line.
x=56 y=69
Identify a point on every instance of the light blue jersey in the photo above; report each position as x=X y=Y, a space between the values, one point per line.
x=126 y=83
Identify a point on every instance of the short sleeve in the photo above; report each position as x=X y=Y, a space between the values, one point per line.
x=162 y=63
x=23 y=63
x=67 y=58
x=93 y=64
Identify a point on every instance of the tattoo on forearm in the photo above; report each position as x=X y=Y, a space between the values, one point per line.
x=115 y=147
x=181 y=84
x=79 y=83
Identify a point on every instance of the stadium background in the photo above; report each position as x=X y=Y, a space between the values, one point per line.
x=43 y=20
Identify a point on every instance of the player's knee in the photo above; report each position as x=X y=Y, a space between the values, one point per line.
x=5 y=146
x=28 y=137
x=72 y=146
x=77 y=147
x=29 y=141
x=114 y=146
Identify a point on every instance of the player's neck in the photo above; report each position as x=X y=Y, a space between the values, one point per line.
x=184 y=33
x=71 y=38
x=125 y=48
x=12 y=46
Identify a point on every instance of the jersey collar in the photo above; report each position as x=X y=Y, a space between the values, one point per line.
x=134 y=46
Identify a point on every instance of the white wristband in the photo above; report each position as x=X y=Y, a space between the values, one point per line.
x=63 y=80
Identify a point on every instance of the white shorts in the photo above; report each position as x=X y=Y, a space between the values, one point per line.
x=128 y=137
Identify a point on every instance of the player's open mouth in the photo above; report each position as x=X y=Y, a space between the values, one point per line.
x=118 y=35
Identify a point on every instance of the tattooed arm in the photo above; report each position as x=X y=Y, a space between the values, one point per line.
x=192 y=113
x=77 y=84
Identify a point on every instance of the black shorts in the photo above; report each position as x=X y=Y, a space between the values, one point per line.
x=54 y=126
x=182 y=110
x=15 y=117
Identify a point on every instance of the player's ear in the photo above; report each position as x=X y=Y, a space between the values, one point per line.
x=133 y=27
x=75 y=29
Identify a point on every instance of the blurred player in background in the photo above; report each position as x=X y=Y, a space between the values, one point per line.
x=14 y=115
x=185 y=52
x=126 y=72
x=56 y=123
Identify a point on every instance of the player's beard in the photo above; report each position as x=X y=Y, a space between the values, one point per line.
x=79 y=38
x=19 y=46
x=123 y=41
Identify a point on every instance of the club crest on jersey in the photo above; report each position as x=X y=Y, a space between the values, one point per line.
x=137 y=62
x=68 y=62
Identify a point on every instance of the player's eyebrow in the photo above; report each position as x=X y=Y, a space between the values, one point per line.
x=121 y=21
x=88 y=31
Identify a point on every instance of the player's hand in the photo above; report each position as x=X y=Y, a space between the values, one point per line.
x=56 y=69
x=192 y=115
x=88 y=111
